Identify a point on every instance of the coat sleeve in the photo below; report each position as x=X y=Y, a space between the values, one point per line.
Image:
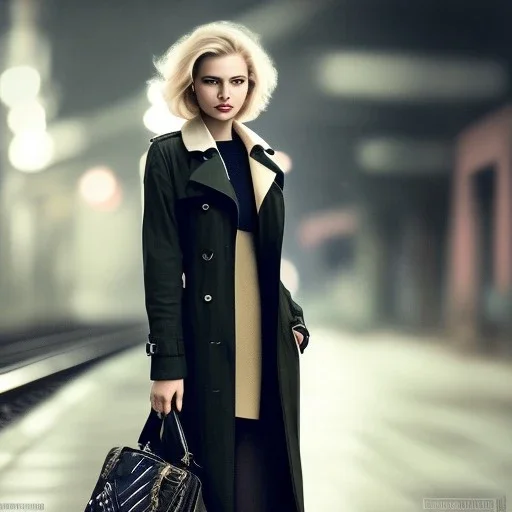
x=162 y=263
x=298 y=322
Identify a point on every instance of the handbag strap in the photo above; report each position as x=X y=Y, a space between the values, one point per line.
x=170 y=443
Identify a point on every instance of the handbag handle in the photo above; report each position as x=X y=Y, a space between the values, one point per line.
x=170 y=443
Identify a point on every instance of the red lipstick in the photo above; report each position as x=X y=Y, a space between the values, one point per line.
x=224 y=107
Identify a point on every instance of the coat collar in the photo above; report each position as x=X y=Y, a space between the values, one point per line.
x=213 y=173
x=197 y=137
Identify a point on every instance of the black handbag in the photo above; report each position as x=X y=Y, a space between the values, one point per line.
x=157 y=477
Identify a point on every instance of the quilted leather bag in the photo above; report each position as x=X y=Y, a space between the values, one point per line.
x=157 y=477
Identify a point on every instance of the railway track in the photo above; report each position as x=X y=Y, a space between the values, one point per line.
x=33 y=368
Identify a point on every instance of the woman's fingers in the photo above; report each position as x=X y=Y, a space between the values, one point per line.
x=166 y=405
x=163 y=393
x=179 y=398
x=165 y=402
x=158 y=404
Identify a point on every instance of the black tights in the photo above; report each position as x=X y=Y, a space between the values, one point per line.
x=262 y=475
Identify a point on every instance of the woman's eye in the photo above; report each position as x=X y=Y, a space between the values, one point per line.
x=212 y=81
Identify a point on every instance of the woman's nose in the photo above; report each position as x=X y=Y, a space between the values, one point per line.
x=224 y=92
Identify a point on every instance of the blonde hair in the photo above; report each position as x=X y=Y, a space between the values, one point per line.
x=178 y=67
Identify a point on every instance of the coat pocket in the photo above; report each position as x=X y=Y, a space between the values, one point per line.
x=295 y=343
x=287 y=323
x=288 y=338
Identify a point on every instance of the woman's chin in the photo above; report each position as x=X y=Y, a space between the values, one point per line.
x=222 y=116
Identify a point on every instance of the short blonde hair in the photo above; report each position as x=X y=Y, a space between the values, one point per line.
x=177 y=68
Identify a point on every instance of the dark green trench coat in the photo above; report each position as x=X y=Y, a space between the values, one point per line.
x=189 y=230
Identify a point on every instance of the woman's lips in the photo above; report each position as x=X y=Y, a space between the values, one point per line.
x=224 y=109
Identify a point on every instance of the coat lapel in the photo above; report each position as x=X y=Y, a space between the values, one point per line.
x=212 y=171
x=262 y=176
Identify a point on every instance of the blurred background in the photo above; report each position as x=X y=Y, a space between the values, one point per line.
x=394 y=123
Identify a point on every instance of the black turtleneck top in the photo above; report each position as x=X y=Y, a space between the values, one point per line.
x=235 y=157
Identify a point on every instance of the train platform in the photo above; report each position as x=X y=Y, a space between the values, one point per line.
x=387 y=421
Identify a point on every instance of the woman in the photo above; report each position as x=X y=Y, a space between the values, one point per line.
x=224 y=331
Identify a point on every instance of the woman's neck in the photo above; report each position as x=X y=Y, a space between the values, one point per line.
x=220 y=130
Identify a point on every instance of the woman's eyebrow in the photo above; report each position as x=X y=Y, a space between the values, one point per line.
x=218 y=77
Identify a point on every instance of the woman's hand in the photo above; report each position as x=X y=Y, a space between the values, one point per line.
x=299 y=338
x=162 y=393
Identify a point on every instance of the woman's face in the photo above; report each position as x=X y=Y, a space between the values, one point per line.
x=222 y=81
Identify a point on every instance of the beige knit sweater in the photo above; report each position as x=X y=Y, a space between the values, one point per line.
x=248 y=329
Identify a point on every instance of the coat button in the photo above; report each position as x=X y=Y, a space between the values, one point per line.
x=207 y=298
x=205 y=206
x=207 y=256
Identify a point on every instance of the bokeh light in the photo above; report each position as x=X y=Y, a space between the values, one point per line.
x=290 y=275
x=31 y=150
x=158 y=119
x=27 y=116
x=19 y=84
x=284 y=161
x=99 y=187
